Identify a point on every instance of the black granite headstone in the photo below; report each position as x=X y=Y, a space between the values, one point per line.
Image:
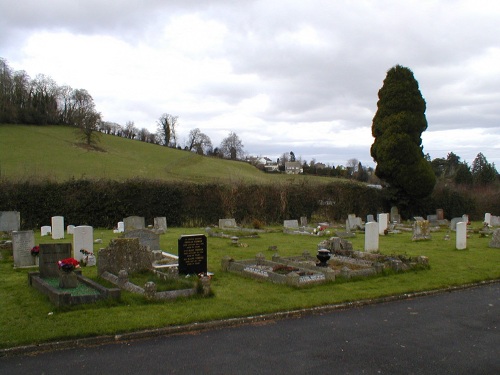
x=192 y=254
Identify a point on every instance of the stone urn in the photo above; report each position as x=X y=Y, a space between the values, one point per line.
x=323 y=256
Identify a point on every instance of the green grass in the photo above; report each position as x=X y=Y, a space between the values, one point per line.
x=55 y=153
x=27 y=316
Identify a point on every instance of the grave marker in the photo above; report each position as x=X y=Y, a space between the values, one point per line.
x=83 y=238
x=146 y=238
x=291 y=224
x=57 y=227
x=371 y=236
x=192 y=250
x=70 y=229
x=495 y=239
x=10 y=221
x=227 y=223
x=22 y=243
x=160 y=224
x=461 y=242
x=45 y=230
x=134 y=222
x=50 y=254
x=382 y=222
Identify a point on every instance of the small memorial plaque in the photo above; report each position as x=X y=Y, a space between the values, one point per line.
x=192 y=254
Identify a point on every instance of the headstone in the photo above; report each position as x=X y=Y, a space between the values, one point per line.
x=45 y=230
x=10 y=221
x=83 y=239
x=432 y=219
x=160 y=224
x=134 y=222
x=371 y=236
x=291 y=224
x=57 y=227
x=418 y=218
x=146 y=238
x=121 y=227
x=461 y=242
x=454 y=221
x=495 y=221
x=227 y=223
x=421 y=231
x=192 y=250
x=440 y=214
x=382 y=223
x=22 y=243
x=395 y=217
x=124 y=254
x=465 y=219
x=70 y=229
x=370 y=218
x=495 y=239
x=303 y=221
x=487 y=218
x=354 y=222
x=50 y=254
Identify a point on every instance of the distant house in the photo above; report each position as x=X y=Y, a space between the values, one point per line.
x=293 y=167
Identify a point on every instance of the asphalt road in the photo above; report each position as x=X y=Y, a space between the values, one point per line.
x=449 y=333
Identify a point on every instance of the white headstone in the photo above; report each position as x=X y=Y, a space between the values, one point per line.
x=465 y=219
x=45 y=230
x=461 y=236
x=371 y=236
x=22 y=243
x=57 y=227
x=487 y=218
x=121 y=227
x=83 y=238
x=383 y=219
x=70 y=229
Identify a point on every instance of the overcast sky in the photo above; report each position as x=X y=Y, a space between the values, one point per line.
x=284 y=75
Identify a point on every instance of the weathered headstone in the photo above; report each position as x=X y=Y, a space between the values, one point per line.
x=303 y=221
x=370 y=218
x=495 y=239
x=10 y=221
x=160 y=224
x=465 y=218
x=487 y=218
x=421 y=231
x=353 y=222
x=57 y=224
x=454 y=221
x=50 y=254
x=83 y=239
x=382 y=222
x=124 y=254
x=461 y=242
x=70 y=229
x=291 y=224
x=432 y=219
x=146 y=238
x=495 y=221
x=440 y=214
x=134 y=222
x=192 y=250
x=45 y=230
x=22 y=243
x=227 y=223
x=371 y=236
x=395 y=217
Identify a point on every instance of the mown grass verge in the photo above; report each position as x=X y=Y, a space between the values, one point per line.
x=27 y=317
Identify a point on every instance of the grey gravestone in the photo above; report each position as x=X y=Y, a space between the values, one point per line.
x=134 y=222
x=291 y=224
x=303 y=221
x=495 y=221
x=50 y=254
x=454 y=221
x=146 y=238
x=421 y=230
x=353 y=222
x=432 y=218
x=495 y=239
x=10 y=221
x=370 y=219
x=395 y=217
x=160 y=224
x=418 y=218
x=124 y=254
x=22 y=243
x=192 y=250
x=227 y=223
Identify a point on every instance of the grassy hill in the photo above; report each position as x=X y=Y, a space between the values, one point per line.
x=56 y=153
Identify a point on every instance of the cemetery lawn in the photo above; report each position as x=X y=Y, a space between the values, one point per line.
x=27 y=316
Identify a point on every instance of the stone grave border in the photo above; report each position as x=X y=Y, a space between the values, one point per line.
x=64 y=298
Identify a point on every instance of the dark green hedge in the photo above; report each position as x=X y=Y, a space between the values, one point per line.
x=103 y=203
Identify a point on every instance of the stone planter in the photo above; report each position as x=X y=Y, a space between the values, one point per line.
x=68 y=280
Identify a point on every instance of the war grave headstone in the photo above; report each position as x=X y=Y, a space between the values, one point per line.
x=227 y=223
x=83 y=241
x=371 y=236
x=146 y=238
x=192 y=250
x=120 y=227
x=487 y=218
x=421 y=230
x=22 y=243
x=45 y=230
x=461 y=240
x=382 y=222
x=70 y=229
x=10 y=221
x=57 y=225
x=495 y=239
x=134 y=222
x=160 y=224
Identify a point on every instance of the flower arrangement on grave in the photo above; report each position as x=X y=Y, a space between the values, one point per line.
x=86 y=254
x=68 y=264
x=35 y=251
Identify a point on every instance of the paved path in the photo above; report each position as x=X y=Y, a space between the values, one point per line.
x=448 y=333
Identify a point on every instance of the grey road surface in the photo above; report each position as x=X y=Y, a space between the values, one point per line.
x=448 y=333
